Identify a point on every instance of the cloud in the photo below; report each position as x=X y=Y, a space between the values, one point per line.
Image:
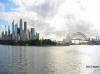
x=55 y=18
x=2 y=7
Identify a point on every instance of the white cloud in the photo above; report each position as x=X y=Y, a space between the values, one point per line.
x=2 y=7
x=55 y=18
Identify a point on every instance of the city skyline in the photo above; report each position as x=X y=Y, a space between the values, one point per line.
x=23 y=26
x=19 y=32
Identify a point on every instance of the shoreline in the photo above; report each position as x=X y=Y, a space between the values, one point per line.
x=50 y=45
x=37 y=42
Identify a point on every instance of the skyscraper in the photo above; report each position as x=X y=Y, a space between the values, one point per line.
x=5 y=28
x=3 y=35
x=18 y=34
x=25 y=30
x=8 y=32
x=29 y=33
x=32 y=33
x=25 y=26
x=21 y=24
x=13 y=30
x=16 y=26
x=13 y=26
x=37 y=35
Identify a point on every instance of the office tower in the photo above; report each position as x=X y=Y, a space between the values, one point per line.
x=29 y=35
x=5 y=27
x=25 y=26
x=5 y=35
x=8 y=30
x=12 y=26
x=16 y=26
x=13 y=31
x=2 y=35
x=37 y=35
x=25 y=29
x=8 y=33
x=18 y=33
x=32 y=33
x=21 y=24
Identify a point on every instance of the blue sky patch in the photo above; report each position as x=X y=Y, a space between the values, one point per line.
x=3 y=22
x=9 y=5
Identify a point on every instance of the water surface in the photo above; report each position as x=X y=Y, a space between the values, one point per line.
x=49 y=60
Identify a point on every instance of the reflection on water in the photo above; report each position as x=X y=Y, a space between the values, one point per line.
x=18 y=60
x=49 y=60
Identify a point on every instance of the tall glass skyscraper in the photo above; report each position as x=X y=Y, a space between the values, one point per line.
x=32 y=32
x=13 y=27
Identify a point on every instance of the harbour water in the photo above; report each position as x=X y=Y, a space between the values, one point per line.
x=76 y=59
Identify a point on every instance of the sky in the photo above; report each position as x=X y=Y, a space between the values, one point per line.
x=53 y=19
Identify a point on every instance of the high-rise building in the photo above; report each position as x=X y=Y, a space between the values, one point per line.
x=2 y=35
x=8 y=33
x=29 y=35
x=18 y=33
x=8 y=30
x=5 y=28
x=25 y=26
x=21 y=24
x=13 y=36
x=37 y=35
x=32 y=33
x=5 y=35
x=12 y=26
x=16 y=26
x=25 y=30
